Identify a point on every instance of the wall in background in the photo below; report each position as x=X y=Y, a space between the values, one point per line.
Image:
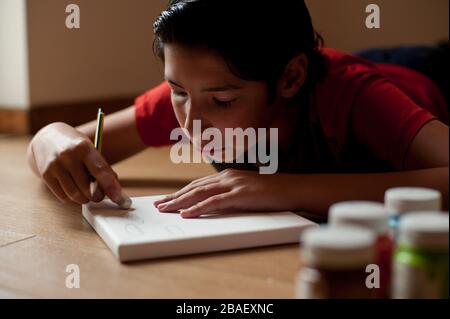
x=13 y=55
x=403 y=22
x=110 y=56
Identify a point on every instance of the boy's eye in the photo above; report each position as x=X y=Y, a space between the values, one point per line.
x=179 y=93
x=224 y=103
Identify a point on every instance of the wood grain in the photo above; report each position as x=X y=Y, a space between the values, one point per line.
x=46 y=236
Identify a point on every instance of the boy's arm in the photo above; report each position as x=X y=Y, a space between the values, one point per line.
x=232 y=190
x=426 y=165
x=316 y=193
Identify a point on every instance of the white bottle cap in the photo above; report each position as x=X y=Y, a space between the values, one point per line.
x=426 y=230
x=409 y=199
x=344 y=247
x=369 y=215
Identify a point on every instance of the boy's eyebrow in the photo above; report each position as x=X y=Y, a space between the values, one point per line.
x=173 y=82
x=227 y=87
x=222 y=88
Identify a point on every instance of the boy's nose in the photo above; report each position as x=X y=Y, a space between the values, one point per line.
x=195 y=122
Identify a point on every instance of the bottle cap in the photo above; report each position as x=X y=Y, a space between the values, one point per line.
x=365 y=214
x=340 y=248
x=425 y=230
x=409 y=199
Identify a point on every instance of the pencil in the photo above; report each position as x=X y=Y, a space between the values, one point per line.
x=99 y=131
x=126 y=201
x=98 y=141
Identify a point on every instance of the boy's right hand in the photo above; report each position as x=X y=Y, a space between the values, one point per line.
x=66 y=159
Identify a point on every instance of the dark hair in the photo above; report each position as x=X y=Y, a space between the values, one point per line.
x=256 y=38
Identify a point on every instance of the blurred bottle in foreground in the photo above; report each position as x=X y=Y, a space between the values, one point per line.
x=335 y=261
x=372 y=216
x=401 y=201
x=421 y=257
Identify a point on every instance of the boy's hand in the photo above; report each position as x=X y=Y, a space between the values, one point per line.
x=224 y=191
x=65 y=159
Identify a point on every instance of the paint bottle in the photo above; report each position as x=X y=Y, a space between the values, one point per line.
x=421 y=257
x=335 y=262
x=372 y=216
x=403 y=200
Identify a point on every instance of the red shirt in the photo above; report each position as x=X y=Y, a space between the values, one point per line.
x=362 y=117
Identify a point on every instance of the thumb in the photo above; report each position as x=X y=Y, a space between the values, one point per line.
x=106 y=178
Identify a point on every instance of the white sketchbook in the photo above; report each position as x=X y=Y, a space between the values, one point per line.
x=142 y=232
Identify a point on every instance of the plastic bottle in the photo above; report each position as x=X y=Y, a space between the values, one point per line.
x=421 y=257
x=372 y=216
x=335 y=261
x=402 y=200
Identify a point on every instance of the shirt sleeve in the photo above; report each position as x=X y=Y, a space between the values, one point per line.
x=386 y=120
x=155 y=118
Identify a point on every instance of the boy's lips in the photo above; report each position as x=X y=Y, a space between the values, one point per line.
x=209 y=150
x=203 y=149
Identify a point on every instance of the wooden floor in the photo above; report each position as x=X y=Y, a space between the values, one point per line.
x=39 y=237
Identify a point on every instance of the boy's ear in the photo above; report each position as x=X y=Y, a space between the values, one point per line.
x=293 y=77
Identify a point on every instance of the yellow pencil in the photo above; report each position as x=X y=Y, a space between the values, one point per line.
x=97 y=143
x=99 y=131
x=125 y=202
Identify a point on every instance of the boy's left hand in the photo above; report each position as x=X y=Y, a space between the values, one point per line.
x=225 y=191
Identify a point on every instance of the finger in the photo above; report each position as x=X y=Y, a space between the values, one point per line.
x=97 y=193
x=80 y=176
x=69 y=187
x=210 y=205
x=194 y=196
x=195 y=184
x=201 y=181
x=55 y=188
x=106 y=178
x=115 y=173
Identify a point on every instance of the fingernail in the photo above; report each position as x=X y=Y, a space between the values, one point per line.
x=125 y=201
x=162 y=207
x=185 y=213
x=92 y=188
x=166 y=204
x=161 y=201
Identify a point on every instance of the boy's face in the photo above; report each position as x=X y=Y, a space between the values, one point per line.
x=204 y=88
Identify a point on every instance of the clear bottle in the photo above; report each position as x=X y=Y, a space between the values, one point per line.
x=335 y=261
x=402 y=200
x=372 y=216
x=421 y=257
